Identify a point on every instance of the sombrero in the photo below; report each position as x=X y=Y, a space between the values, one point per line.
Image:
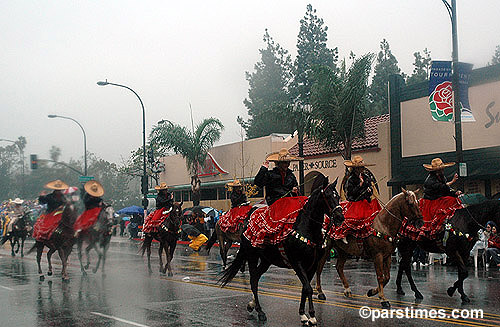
x=235 y=183
x=94 y=188
x=162 y=186
x=437 y=164
x=17 y=201
x=356 y=161
x=57 y=185
x=282 y=155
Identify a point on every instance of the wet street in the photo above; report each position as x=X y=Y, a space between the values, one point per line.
x=128 y=296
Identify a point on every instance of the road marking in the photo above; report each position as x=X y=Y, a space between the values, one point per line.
x=118 y=319
x=7 y=288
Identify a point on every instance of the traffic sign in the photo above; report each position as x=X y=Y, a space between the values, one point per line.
x=85 y=178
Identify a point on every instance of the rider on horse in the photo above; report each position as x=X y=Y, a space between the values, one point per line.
x=279 y=182
x=164 y=202
x=55 y=201
x=16 y=214
x=238 y=197
x=440 y=201
x=361 y=203
x=92 y=200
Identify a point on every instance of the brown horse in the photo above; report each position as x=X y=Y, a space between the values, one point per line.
x=167 y=235
x=61 y=240
x=97 y=237
x=379 y=248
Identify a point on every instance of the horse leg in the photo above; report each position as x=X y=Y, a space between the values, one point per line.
x=104 y=251
x=12 y=245
x=99 y=257
x=148 y=241
x=342 y=258
x=306 y=293
x=169 y=253
x=381 y=269
x=64 y=259
x=160 y=255
x=23 y=238
x=226 y=247
x=221 y=250
x=462 y=275
x=87 y=253
x=255 y=273
x=49 y=260
x=79 y=244
x=39 y=250
x=319 y=270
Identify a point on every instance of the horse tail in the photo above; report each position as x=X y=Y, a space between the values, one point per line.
x=5 y=238
x=211 y=241
x=241 y=258
x=32 y=248
x=145 y=244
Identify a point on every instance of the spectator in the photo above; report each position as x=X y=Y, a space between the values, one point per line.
x=197 y=238
x=493 y=249
x=482 y=242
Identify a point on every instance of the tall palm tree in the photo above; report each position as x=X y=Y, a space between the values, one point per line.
x=192 y=145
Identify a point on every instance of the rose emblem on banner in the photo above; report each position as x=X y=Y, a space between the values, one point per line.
x=441 y=102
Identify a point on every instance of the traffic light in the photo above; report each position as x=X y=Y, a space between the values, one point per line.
x=34 y=161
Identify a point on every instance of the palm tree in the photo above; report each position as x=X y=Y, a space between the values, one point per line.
x=192 y=145
x=339 y=103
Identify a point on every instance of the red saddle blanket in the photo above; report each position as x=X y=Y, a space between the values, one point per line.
x=358 y=219
x=231 y=220
x=155 y=219
x=87 y=219
x=46 y=224
x=435 y=213
x=271 y=225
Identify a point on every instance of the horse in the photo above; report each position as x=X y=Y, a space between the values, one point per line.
x=401 y=209
x=61 y=240
x=17 y=236
x=97 y=237
x=302 y=248
x=456 y=240
x=227 y=238
x=167 y=234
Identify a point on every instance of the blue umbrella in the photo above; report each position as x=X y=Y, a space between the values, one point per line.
x=131 y=210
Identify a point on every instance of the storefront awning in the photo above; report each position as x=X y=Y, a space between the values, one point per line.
x=205 y=185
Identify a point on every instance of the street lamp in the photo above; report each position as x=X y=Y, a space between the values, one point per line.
x=144 y=179
x=84 y=139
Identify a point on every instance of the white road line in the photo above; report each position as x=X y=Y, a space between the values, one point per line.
x=7 y=288
x=119 y=319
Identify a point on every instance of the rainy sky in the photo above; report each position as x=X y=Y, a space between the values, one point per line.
x=177 y=53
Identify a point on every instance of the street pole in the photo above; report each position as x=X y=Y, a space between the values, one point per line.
x=144 y=179
x=84 y=139
x=457 y=110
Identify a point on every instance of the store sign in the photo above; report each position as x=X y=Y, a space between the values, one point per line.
x=316 y=165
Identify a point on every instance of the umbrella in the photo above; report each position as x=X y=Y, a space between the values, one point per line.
x=70 y=190
x=131 y=210
x=209 y=211
x=187 y=212
x=126 y=218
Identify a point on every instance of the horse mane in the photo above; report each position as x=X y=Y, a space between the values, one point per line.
x=319 y=181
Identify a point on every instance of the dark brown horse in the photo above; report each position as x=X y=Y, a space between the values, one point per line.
x=97 y=237
x=18 y=235
x=61 y=240
x=456 y=241
x=379 y=248
x=303 y=248
x=167 y=235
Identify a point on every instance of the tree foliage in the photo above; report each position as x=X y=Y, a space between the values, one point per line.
x=312 y=50
x=385 y=66
x=339 y=103
x=268 y=85
x=421 y=67
x=495 y=60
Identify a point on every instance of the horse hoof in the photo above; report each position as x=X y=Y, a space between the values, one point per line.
x=303 y=319
x=347 y=294
x=321 y=296
x=419 y=295
x=312 y=322
x=400 y=291
x=370 y=293
x=87 y=266
x=385 y=304
x=84 y=273
x=170 y=274
x=49 y=273
x=22 y=255
x=250 y=307
x=94 y=270
x=465 y=299
x=65 y=279
x=262 y=316
x=42 y=278
x=451 y=291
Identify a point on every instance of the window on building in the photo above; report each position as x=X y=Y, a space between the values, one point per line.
x=222 y=193
x=208 y=194
x=177 y=196
x=186 y=195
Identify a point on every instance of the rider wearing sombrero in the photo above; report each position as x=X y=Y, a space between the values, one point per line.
x=55 y=201
x=361 y=203
x=92 y=200
x=238 y=197
x=164 y=203
x=440 y=201
x=279 y=182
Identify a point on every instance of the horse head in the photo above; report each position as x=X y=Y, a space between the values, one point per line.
x=173 y=221
x=409 y=207
x=332 y=199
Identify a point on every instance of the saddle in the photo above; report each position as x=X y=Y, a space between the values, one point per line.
x=270 y=225
x=87 y=219
x=435 y=213
x=46 y=224
x=155 y=219
x=231 y=220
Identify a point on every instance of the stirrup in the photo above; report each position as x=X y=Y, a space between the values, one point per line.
x=344 y=239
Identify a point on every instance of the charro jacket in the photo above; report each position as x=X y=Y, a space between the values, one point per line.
x=277 y=185
x=435 y=187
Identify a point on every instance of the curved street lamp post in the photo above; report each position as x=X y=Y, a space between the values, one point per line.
x=84 y=139
x=144 y=179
